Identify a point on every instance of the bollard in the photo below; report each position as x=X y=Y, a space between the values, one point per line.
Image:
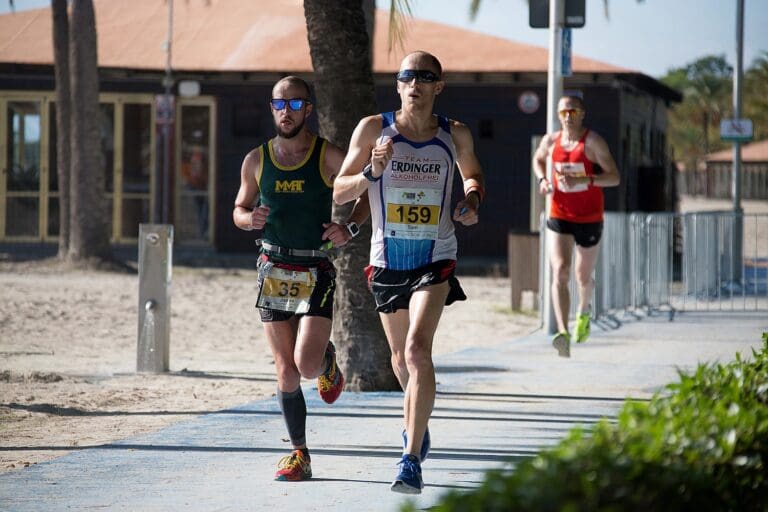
x=155 y=264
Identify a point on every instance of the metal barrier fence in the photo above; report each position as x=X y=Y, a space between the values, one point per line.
x=664 y=262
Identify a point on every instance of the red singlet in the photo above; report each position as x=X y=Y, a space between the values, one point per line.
x=581 y=203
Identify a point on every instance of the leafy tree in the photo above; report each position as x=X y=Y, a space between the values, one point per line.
x=755 y=105
x=706 y=85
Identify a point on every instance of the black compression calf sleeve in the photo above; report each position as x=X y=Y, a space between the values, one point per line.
x=294 y=413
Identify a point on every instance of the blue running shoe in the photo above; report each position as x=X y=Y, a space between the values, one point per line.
x=408 y=480
x=426 y=443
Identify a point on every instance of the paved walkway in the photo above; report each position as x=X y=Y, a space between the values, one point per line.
x=493 y=404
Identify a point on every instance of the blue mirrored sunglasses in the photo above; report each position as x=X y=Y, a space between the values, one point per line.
x=294 y=104
x=422 y=76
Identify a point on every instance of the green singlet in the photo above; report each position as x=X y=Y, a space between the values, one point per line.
x=299 y=198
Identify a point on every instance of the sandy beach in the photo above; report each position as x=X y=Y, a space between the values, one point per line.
x=68 y=352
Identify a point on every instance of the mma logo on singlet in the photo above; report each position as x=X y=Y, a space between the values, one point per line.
x=290 y=186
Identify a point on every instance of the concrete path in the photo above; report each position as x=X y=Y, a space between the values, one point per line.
x=493 y=405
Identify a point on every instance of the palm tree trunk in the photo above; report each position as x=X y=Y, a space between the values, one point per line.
x=63 y=114
x=89 y=238
x=340 y=50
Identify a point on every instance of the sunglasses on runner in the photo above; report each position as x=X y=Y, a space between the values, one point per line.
x=422 y=76
x=294 y=104
x=572 y=111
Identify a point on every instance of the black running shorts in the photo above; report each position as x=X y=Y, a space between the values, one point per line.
x=321 y=301
x=586 y=234
x=392 y=289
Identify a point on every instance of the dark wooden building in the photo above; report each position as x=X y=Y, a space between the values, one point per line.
x=226 y=57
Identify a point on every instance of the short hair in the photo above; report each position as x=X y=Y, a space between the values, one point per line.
x=430 y=58
x=577 y=99
x=295 y=81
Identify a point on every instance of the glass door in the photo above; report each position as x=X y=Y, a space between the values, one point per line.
x=22 y=169
x=134 y=170
x=192 y=222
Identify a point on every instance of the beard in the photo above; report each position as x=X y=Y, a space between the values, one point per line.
x=291 y=133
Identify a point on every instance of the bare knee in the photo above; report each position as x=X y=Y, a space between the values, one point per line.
x=561 y=273
x=418 y=357
x=288 y=377
x=398 y=363
x=584 y=279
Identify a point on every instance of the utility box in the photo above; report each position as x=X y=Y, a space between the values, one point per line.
x=155 y=264
x=523 y=265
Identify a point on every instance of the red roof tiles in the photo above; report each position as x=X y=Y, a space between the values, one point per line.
x=244 y=35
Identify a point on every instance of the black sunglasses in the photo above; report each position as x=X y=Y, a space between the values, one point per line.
x=294 y=104
x=422 y=76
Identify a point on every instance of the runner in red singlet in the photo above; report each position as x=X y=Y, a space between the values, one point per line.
x=576 y=213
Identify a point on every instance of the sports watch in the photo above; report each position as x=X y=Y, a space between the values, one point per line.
x=368 y=173
x=353 y=229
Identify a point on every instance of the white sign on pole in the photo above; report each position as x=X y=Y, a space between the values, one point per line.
x=736 y=129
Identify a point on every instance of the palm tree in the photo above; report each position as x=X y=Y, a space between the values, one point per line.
x=88 y=233
x=755 y=93
x=63 y=115
x=345 y=93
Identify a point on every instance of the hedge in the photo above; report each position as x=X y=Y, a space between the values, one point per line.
x=701 y=444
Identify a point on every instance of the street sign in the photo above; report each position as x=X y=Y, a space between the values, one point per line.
x=566 y=52
x=737 y=130
x=538 y=13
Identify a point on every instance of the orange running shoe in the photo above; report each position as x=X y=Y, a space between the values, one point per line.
x=294 y=467
x=331 y=382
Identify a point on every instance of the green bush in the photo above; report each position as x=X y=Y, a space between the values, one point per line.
x=701 y=445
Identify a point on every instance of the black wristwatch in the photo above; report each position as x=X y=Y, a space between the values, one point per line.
x=368 y=173
x=353 y=229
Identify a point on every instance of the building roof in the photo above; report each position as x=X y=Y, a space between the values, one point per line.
x=269 y=35
x=753 y=152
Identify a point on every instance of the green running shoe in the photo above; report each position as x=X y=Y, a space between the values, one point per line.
x=582 y=328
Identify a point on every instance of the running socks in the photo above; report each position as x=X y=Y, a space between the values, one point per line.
x=295 y=414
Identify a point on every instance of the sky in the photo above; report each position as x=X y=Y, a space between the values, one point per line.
x=652 y=36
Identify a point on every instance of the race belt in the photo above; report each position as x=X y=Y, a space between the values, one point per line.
x=285 y=289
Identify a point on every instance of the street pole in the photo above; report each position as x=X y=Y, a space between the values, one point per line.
x=738 y=219
x=554 y=91
x=168 y=83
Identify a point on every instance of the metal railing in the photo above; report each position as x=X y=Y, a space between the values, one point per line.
x=664 y=262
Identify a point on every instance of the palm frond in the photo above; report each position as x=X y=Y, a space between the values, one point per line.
x=474 y=7
x=399 y=10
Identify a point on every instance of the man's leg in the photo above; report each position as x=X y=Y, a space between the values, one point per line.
x=560 y=253
x=311 y=344
x=585 y=261
x=281 y=336
x=425 y=309
x=417 y=329
x=396 y=329
x=315 y=357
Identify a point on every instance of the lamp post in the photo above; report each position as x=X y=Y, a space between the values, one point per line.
x=169 y=112
x=738 y=219
x=554 y=91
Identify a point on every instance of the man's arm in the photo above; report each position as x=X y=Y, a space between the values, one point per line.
x=597 y=150
x=351 y=183
x=245 y=215
x=471 y=174
x=540 y=164
x=340 y=234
